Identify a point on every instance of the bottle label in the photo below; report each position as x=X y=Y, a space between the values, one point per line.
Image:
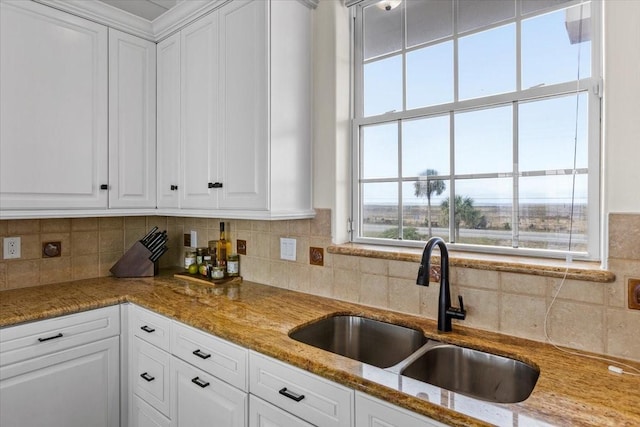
x=232 y=267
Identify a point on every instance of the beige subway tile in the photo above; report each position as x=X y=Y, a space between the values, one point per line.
x=84 y=224
x=299 y=278
x=23 y=226
x=107 y=260
x=482 y=308
x=84 y=242
x=404 y=295
x=346 y=284
x=135 y=222
x=261 y=245
x=131 y=236
x=23 y=273
x=214 y=224
x=4 y=227
x=299 y=227
x=85 y=266
x=477 y=278
x=261 y=226
x=63 y=238
x=242 y=225
x=617 y=292
x=575 y=290
x=429 y=300
x=302 y=250
x=404 y=269
x=346 y=262
x=374 y=290
x=321 y=281
x=56 y=225
x=374 y=266
x=321 y=224
x=523 y=284
x=255 y=269
x=3 y=275
x=55 y=270
x=280 y=228
x=203 y=223
x=577 y=325
x=523 y=316
x=278 y=274
x=111 y=222
x=622 y=333
x=624 y=234
x=30 y=246
x=111 y=241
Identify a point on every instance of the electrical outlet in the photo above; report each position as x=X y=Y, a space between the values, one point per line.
x=287 y=249
x=11 y=247
x=634 y=294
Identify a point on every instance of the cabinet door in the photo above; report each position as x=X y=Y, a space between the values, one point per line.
x=169 y=122
x=144 y=415
x=263 y=414
x=200 y=399
x=199 y=113
x=371 y=412
x=53 y=109
x=132 y=121
x=77 y=387
x=244 y=130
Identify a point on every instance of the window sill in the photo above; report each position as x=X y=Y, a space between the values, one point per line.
x=579 y=270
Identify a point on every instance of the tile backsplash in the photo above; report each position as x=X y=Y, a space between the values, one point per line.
x=585 y=315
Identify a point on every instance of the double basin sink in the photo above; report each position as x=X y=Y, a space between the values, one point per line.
x=408 y=352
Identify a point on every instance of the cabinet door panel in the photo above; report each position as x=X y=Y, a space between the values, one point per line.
x=199 y=399
x=372 y=412
x=169 y=122
x=199 y=115
x=78 y=387
x=144 y=415
x=132 y=121
x=244 y=138
x=53 y=80
x=263 y=414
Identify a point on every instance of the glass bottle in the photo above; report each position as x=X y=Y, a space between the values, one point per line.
x=223 y=249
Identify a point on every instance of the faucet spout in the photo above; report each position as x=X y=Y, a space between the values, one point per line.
x=445 y=311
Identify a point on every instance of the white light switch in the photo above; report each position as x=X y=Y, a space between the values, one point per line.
x=287 y=249
x=194 y=239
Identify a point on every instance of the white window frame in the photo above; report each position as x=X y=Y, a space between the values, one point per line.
x=592 y=85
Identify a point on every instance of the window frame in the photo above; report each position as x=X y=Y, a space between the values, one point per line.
x=591 y=85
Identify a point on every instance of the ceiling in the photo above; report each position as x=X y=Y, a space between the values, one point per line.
x=147 y=9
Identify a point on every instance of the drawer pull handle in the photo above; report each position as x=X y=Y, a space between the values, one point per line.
x=147 y=329
x=199 y=382
x=291 y=395
x=50 y=338
x=201 y=355
x=145 y=376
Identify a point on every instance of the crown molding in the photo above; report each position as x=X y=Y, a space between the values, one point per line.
x=180 y=15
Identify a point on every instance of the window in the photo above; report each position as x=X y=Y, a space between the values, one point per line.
x=494 y=104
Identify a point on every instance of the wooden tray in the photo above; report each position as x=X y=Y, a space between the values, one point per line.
x=200 y=279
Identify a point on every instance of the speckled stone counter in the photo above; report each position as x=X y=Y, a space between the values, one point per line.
x=572 y=390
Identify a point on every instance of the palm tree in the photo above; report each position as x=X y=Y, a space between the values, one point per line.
x=464 y=212
x=426 y=188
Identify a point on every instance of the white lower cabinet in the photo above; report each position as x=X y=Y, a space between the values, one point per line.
x=263 y=414
x=372 y=412
x=144 y=415
x=61 y=372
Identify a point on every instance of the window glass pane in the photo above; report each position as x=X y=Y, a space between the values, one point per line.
x=425 y=146
x=547 y=133
x=382 y=30
x=528 y=6
x=420 y=210
x=428 y=20
x=556 y=48
x=484 y=141
x=487 y=63
x=383 y=86
x=483 y=211
x=430 y=75
x=474 y=14
x=380 y=210
x=545 y=212
x=379 y=151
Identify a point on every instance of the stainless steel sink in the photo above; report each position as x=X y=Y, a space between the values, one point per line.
x=474 y=373
x=369 y=341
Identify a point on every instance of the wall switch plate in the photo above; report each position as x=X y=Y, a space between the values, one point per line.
x=634 y=294
x=241 y=246
x=194 y=239
x=11 y=248
x=287 y=249
x=316 y=256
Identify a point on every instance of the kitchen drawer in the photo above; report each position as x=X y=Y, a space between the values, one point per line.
x=218 y=357
x=151 y=327
x=59 y=333
x=143 y=415
x=150 y=375
x=319 y=401
x=263 y=414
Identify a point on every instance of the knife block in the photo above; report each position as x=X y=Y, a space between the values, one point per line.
x=135 y=263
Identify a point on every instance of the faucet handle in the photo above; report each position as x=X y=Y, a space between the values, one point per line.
x=457 y=312
x=461 y=304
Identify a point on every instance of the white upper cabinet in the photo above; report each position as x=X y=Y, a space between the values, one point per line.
x=168 y=137
x=132 y=121
x=53 y=109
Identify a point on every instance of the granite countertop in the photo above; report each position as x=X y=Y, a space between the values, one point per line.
x=572 y=390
